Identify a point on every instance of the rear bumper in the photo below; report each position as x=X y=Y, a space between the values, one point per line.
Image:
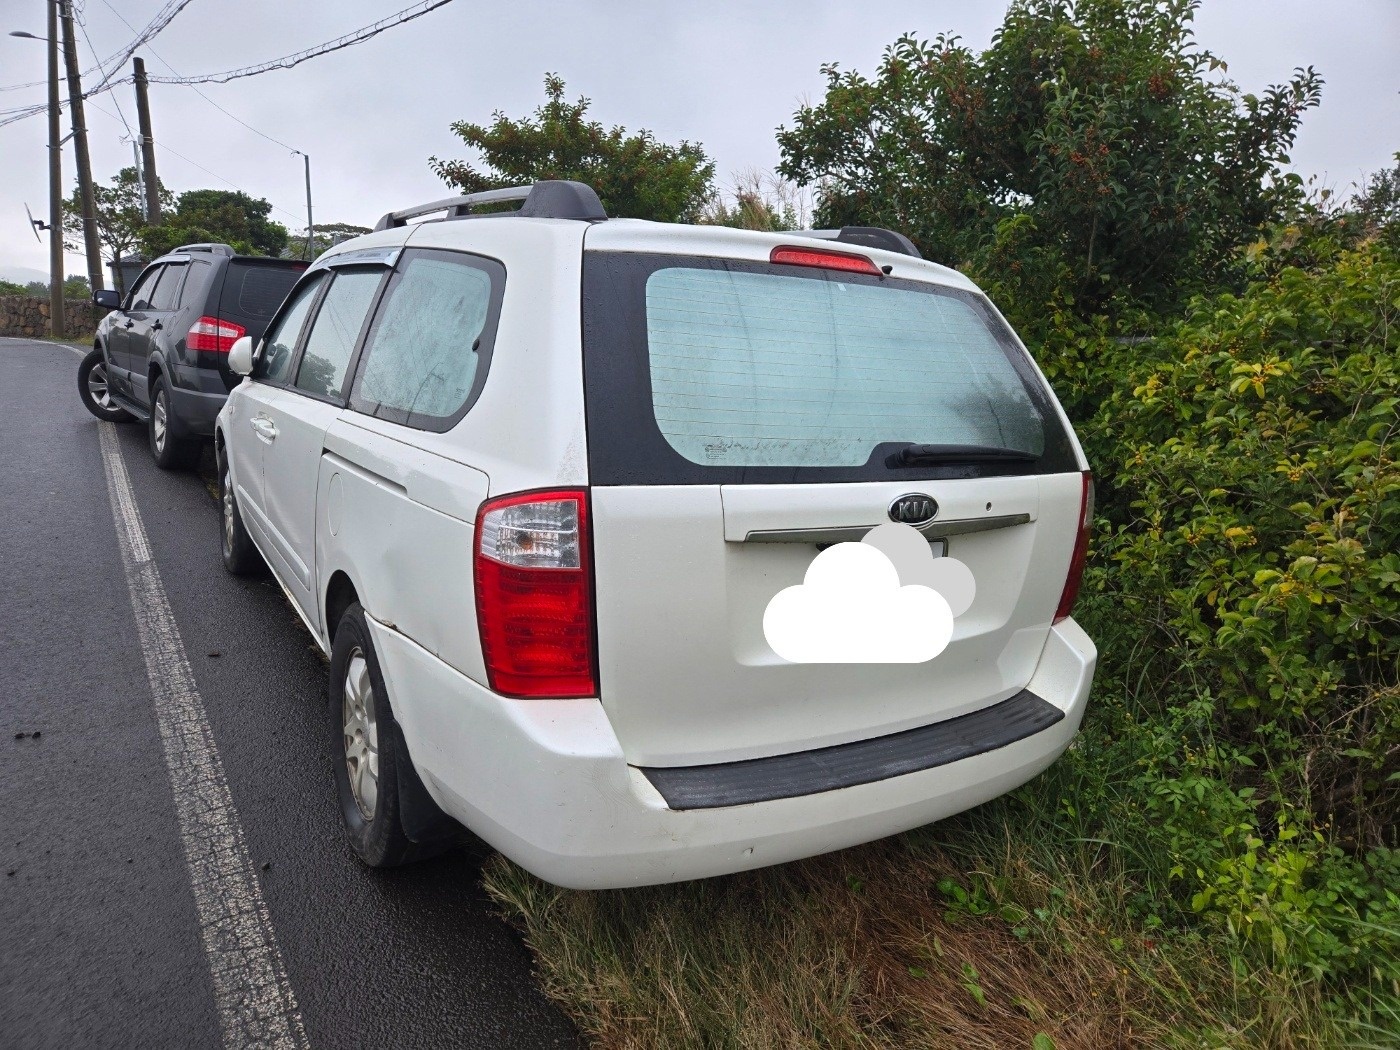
x=194 y=411
x=546 y=783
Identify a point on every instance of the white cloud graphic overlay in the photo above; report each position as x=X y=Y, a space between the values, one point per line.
x=851 y=609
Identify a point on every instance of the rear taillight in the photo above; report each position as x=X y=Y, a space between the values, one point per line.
x=210 y=333
x=1081 y=549
x=534 y=594
x=823 y=259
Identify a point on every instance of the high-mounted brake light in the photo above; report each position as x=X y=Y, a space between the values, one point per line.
x=824 y=259
x=534 y=594
x=210 y=333
x=1081 y=550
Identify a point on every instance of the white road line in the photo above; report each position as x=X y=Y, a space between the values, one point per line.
x=252 y=995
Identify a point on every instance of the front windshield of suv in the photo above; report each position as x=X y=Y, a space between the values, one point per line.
x=767 y=369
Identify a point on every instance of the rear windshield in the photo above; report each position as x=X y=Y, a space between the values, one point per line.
x=252 y=292
x=714 y=371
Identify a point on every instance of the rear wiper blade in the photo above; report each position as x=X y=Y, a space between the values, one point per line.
x=923 y=455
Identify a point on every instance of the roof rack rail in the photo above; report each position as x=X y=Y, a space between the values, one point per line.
x=213 y=247
x=868 y=237
x=551 y=199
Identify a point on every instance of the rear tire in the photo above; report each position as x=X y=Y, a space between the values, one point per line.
x=94 y=391
x=169 y=452
x=366 y=745
x=241 y=556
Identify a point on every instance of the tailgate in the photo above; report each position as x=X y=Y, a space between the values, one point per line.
x=742 y=417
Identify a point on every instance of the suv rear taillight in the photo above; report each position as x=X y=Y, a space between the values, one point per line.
x=534 y=594
x=210 y=333
x=1081 y=549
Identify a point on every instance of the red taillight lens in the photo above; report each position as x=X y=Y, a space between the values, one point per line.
x=1081 y=549
x=210 y=333
x=824 y=259
x=534 y=594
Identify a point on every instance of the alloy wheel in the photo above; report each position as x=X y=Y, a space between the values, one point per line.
x=158 y=421
x=361 y=734
x=97 y=386
x=228 y=512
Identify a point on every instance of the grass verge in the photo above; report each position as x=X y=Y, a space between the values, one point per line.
x=995 y=929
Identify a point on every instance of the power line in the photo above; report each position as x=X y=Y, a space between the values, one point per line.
x=201 y=167
x=82 y=25
x=196 y=90
x=408 y=14
x=162 y=19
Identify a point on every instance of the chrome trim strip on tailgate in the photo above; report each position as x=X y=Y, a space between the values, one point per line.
x=934 y=530
x=860 y=762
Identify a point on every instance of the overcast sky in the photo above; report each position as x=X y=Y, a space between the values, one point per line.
x=723 y=73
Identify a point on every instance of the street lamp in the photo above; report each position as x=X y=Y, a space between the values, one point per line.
x=56 y=325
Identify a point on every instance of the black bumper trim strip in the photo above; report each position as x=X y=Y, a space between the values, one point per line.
x=859 y=762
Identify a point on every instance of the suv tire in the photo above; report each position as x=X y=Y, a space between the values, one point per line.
x=93 y=389
x=170 y=452
x=365 y=741
x=241 y=557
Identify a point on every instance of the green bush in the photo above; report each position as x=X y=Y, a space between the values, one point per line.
x=1245 y=592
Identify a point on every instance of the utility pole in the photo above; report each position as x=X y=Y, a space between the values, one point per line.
x=148 y=143
x=310 y=229
x=56 y=325
x=80 y=146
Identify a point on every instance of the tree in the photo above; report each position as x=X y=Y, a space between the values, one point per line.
x=1091 y=149
x=761 y=201
x=121 y=213
x=223 y=216
x=324 y=237
x=1377 y=205
x=635 y=175
x=75 y=287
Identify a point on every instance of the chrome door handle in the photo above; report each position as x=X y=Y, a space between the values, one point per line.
x=265 y=427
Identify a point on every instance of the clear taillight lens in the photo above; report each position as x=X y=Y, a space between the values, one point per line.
x=534 y=594
x=1081 y=550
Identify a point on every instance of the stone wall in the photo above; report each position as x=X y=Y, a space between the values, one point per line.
x=27 y=316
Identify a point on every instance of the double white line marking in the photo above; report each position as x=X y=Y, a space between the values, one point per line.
x=252 y=995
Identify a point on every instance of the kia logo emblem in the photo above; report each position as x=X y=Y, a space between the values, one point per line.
x=914 y=508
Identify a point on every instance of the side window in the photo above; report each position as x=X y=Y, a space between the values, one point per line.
x=426 y=355
x=167 y=289
x=193 y=290
x=280 y=342
x=335 y=331
x=140 y=298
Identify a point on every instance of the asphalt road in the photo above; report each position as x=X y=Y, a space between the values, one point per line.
x=100 y=943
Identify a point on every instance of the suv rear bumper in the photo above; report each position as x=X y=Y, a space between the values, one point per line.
x=194 y=411
x=546 y=783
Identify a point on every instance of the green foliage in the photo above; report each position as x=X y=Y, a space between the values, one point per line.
x=635 y=176
x=760 y=201
x=74 y=287
x=1377 y=205
x=222 y=216
x=1091 y=156
x=121 y=213
x=1245 y=594
x=323 y=238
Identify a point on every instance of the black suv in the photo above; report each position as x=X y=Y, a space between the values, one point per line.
x=162 y=354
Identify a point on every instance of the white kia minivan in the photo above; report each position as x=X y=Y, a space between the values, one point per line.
x=532 y=478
